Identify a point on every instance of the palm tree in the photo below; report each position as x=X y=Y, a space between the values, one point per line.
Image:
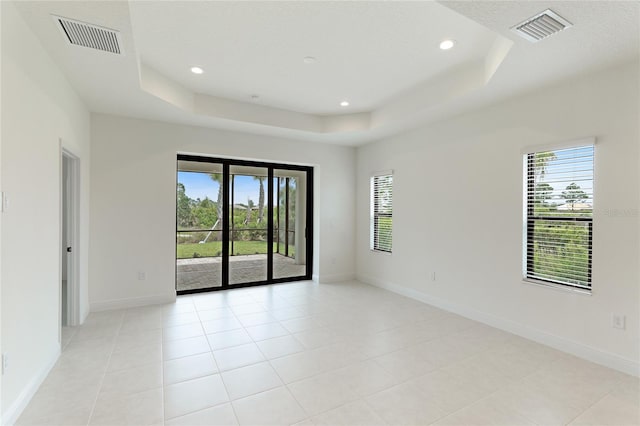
x=540 y=162
x=261 y=197
x=247 y=219
x=217 y=177
x=537 y=169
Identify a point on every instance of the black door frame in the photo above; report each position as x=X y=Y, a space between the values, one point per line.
x=308 y=231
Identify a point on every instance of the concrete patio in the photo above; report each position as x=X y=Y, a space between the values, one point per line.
x=207 y=272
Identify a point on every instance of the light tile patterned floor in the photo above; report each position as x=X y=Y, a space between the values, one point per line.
x=330 y=354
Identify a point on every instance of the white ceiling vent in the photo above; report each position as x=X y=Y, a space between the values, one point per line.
x=541 y=26
x=88 y=35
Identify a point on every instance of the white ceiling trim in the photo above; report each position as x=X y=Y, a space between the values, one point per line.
x=436 y=92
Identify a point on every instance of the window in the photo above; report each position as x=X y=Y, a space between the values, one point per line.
x=559 y=216
x=381 y=211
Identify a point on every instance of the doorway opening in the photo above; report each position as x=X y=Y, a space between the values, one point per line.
x=70 y=191
x=241 y=223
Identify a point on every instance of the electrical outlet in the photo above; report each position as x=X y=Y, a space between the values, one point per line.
x=5 y=362
x=142 y=276
x=618 y=321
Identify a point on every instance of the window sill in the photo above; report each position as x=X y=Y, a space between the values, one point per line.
x=557 y=287
x=384 y=253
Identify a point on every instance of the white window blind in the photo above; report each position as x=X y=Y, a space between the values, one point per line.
x=381 y=212
x=559 y=216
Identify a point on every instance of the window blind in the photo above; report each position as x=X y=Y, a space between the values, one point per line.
x=559 y=216
x=381 y=212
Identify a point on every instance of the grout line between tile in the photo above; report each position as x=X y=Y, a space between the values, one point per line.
x=104 y=374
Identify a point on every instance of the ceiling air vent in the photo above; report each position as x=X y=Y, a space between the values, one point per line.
x=88 y=35
x=541 y=26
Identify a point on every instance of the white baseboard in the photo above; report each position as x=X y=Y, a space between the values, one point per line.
x=11 y=414
x=333 y=278
x=315 y=278
x=581 y=350
x=132 y=302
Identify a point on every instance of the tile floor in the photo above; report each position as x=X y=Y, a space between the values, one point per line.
x=307 y=354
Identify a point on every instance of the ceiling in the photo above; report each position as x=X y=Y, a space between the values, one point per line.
x=382 y=57
x=365 y=52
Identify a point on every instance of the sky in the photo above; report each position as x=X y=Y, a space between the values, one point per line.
x=200 y=185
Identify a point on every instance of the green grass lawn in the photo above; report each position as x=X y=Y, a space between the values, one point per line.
x=214 y=248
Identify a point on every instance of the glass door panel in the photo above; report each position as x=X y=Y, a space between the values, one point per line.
x=289 y=207
x=199 y=232
x=248 y=224
x=241 y=223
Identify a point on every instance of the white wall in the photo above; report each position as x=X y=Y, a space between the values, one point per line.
x=1 y=201
x=458 y=213
x=133 y=178
x=38 y=109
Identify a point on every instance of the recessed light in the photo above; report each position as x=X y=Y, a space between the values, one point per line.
x=344 y=103
x=447 y=44
x=197 y=70
x=309 y=60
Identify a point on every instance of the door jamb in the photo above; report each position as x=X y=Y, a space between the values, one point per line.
x=73 y=280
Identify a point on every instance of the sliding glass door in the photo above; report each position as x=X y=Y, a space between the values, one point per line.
x=199 y=233
x=248 y=237
x=241 y=223
x=289 y=204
